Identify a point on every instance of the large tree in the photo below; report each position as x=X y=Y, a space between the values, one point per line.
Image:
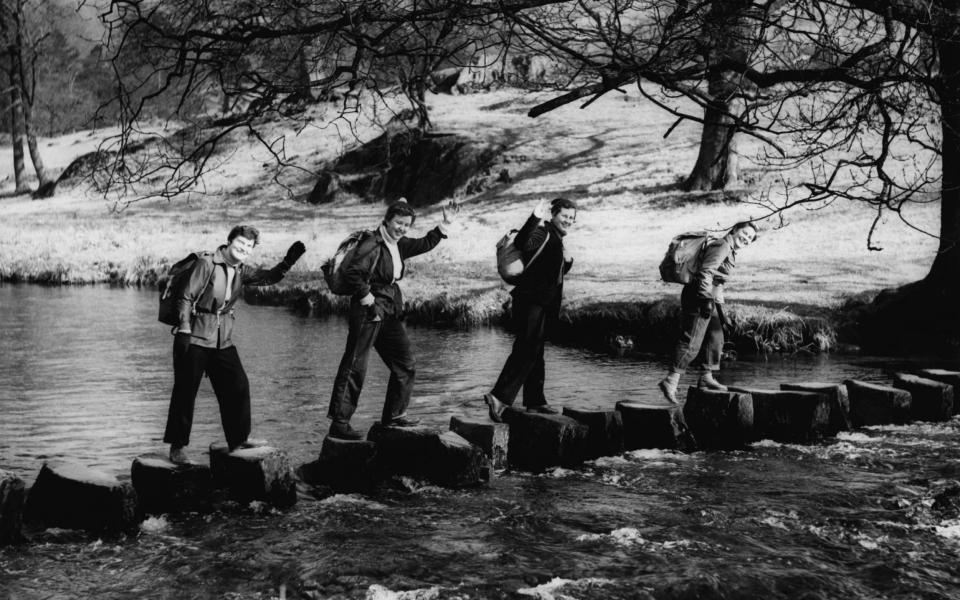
x=864 y=93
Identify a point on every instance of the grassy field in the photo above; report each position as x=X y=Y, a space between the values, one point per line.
x=611 y=158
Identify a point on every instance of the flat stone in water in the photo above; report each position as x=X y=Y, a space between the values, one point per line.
x=649 y=425
x=875 y=404
x=344 y=465
x=165 y=487
x=73 y=496
x=930 y=400
x=946 y=376
x=719 y=420
x=839 y=402
x=492 y=438
x=261 y=473
x=789 y=416
x=539 y=441
x=445 y=459
x=605 y=431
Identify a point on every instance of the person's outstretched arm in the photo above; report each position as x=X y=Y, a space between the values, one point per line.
x=413 y=246
x=258 y=277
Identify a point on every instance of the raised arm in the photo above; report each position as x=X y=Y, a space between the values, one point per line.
x=258 y=277
x=531 y=236
x=414 y=246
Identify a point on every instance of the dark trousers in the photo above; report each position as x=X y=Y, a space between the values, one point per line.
x=524 y=367
x=701 y=338
x=230 y=385
x=389 y=338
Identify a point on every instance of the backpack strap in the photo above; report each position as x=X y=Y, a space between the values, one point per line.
x=375 y=247
x=539 y=250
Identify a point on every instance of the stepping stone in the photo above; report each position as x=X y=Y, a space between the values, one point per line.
x=262 y=473
x=839 y=402
x=605 y=431
x=491 y=437
x=539 y=441
x=344 y=465
x=445 y=459
x=931 y=400
x=788 y=416
x=654 y=426
x=719 y=420
x=70 y=495
x=945 y=376
x=876 y=404
x=13 y=492
x=166 y=487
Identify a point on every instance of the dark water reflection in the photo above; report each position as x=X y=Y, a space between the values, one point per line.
x=86 y=375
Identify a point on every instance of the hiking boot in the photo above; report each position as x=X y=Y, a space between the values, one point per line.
x=403 y=421
x=707 y=382
x=178 y=456
x=343 y=431
x=543 y=409
x=495 y=408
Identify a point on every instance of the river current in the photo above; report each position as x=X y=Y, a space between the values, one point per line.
x=85 y=374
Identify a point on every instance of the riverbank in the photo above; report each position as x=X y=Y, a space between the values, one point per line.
x=611 y=158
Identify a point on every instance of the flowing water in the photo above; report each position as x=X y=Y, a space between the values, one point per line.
x=86 y=375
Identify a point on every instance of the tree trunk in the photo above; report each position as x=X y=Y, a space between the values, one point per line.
x=43 y=177
x=716 y=166
x=727 y=33
x=17 y=135
x=946 y=266
x=923 y=316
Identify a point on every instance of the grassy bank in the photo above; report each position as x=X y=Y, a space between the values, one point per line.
x=612 y=159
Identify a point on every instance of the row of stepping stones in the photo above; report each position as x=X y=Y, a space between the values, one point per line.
x=708 y=420
x=73 y=496
x=70 y=495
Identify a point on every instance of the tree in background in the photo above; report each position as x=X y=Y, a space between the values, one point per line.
x=862 y=94
x=14 y=116
x=267 y=58
x=25 y=33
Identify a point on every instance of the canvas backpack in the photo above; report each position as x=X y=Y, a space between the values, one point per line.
x=346 y=254
x=510 y=263
x=682 y=260
x=170 y=288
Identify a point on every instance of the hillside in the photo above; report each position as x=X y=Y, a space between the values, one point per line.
x=611 y=158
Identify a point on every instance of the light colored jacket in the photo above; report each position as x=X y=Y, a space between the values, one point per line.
x=717 y=260
x=202 y=305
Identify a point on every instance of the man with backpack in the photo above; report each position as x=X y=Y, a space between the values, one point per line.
x=370 y=273
x=205 y=294
x=536 y=304
x=702 y=318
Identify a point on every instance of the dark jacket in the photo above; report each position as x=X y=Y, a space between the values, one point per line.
x=211 y=320
x=542 y=279
x=372 y=271
x=717 y=260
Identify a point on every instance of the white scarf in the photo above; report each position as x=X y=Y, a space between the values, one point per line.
x=394 y=253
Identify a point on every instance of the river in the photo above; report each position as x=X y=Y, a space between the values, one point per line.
x=86 y=375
